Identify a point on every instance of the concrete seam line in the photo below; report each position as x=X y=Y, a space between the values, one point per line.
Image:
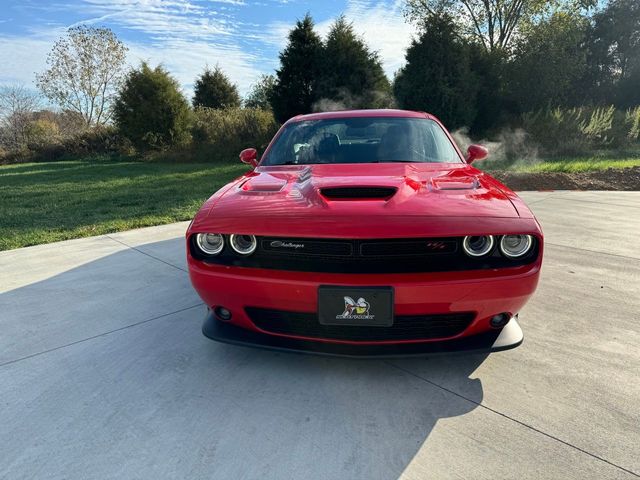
x=552 y=195
x=103 y=334
x=532 y=202
x=599 y=203
x=591 y=251
x=563 y=193
x=519 y=422
x=145 y=253
x=547 y=197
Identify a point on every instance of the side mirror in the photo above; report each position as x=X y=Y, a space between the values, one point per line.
x=249 y=156
x=476 y=152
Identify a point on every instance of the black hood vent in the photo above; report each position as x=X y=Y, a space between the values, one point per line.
x=358 y=193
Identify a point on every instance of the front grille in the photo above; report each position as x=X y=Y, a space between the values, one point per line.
x=405 y=327
x=406 y=255
x=401 y=248
x=358 y=193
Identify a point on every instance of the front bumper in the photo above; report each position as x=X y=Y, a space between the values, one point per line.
x=491 y=341
x=483 y=292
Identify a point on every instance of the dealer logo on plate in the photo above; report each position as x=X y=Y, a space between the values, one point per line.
x=356 y=310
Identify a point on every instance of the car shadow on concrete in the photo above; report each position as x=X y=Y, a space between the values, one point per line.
x=109 y=374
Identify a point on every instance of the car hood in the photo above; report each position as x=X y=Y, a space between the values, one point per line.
x=431 y=190
x=315 y=199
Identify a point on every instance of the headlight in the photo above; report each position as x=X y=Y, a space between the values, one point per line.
x=210 y=243
x=243 y=244
x=478 y=246
x=514 y=246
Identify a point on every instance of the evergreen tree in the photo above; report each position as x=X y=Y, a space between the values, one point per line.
x=437 y=76
x=488 y=70
x=260 y=93
x=150 y=110
x=352 y=74
x=613 y=58
x=213 y=89
x=548 y=62
x=294 y=93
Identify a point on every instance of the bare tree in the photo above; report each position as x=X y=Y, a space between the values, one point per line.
x=493 y=22
x=85 y=69
x=17 y=105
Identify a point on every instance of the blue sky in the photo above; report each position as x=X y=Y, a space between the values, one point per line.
x=242 y=36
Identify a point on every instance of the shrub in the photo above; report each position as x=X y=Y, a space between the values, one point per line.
x=556 y=131
x=40 y=133
x=632 y=120
x=98 y=141
x=213 y=89
x=15 y=155
x=578 y=131
x=261 y=92
x=220 y=135
x=46 y=144
x=43 y=141
x=598 y=127
x=151 y=111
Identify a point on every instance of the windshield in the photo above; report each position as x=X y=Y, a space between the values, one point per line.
x=362 y=140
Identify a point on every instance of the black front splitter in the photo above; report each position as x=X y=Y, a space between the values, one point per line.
x=494 y=341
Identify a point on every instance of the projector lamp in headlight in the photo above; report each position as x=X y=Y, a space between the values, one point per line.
x=210 y=243
x=514 y=246
x=478 y=246
x=243 y=244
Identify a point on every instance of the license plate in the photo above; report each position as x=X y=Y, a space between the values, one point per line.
x=361 y=306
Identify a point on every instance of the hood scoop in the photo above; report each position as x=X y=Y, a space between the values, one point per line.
x=455 y=183
x=263 y=184
x=358 y=193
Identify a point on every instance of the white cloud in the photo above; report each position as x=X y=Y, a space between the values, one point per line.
x=187 y=59
x=186 y=35
x=383 y=27
x=182 y=35
x=21 y=57
x=160 y=18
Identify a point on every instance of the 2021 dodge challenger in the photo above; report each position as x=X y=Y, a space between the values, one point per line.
x=365 y=233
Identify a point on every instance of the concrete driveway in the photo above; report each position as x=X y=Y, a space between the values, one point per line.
x=104 y=373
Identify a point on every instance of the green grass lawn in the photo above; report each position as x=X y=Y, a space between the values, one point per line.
x=47 y=202
x=570 y=165
x=578 y=165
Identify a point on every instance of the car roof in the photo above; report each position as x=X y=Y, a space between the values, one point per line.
x=361 y=113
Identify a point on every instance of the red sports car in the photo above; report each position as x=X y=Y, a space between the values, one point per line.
x=365 y=233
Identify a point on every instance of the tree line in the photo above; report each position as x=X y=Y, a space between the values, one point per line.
x=475 y=64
